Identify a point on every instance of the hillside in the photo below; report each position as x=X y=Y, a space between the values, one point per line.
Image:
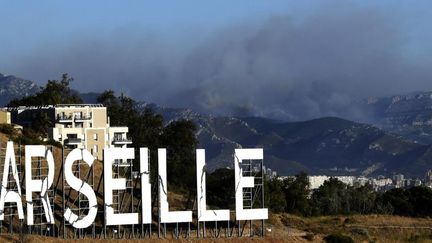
x=289 y=228
x=279 y=227
x=13 y=87
x=409 y=115
x=337 y=146
x=63 y=196
x=320 y=146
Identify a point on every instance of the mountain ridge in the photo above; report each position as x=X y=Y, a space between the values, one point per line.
x=13 y=87
x=409 y=114
x=328 y=145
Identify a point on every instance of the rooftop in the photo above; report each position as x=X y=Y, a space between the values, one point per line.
x=79 y=105
x=52 y=106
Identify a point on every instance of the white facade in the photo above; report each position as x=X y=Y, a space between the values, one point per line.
x=84 y=126
x=317 y=181
x=118 y=136
x=87 y=126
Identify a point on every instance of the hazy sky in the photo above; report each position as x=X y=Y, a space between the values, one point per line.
x=286 y=59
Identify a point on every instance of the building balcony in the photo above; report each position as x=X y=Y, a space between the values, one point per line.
x=121 y=140
x=122 y=163
x=61 y=118
x=73 y=141
x=83 y=118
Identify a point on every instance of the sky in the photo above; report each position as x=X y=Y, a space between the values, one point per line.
x=290 y=60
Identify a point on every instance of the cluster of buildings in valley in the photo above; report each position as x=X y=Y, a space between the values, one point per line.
x=269 y=173
x=84 y=126
x=379 y=183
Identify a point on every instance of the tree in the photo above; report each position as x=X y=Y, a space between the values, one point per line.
x=414 y=201
x=147 y=129
x=108 y=99
x=274 y=195
x=420 y=197
x=332 y=198
x=220 y=188
x=363 y=199
x=399 y=199
x=181 y=142
x=297 y=191
x=41 y=123
x=55 y=92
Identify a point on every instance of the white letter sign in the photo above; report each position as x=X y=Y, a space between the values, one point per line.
x=246 y=181
x=165 y=215
x=119 y=154
x=38 y=185
x=5 y=194
x=203 y=213
x=145 y=187
x=80 y=186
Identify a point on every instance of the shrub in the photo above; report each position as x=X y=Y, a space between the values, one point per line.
x=309 y=236
x=338 y=238
x=360 y=231
x=54 y=143
x=6 y=129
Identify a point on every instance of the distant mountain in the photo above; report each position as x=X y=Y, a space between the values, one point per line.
x=398 y=142
x=321 y=146
x=409 y=115
x=12 y=87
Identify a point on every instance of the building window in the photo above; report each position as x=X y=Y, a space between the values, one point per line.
x=78 y=115
x=118 y=136
x=95 y=137
x=95 y=149
x=72 y=135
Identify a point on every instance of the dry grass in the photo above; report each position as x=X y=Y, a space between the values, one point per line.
x=288 y=228
x=32 y=239
x=365 y=228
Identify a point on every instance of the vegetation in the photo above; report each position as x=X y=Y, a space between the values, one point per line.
x=26 y=136
x=296 y=194
x=338 y=238
x=290 y=195
x=276 y=201
x=220 y=188
x=293 y=195
x=53 y=93
x=147 y=129
x=414 y=201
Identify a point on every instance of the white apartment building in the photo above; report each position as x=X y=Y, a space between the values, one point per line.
x=78 y=126
x=318 y=180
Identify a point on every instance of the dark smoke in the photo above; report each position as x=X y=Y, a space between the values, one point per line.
x=282 y=68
